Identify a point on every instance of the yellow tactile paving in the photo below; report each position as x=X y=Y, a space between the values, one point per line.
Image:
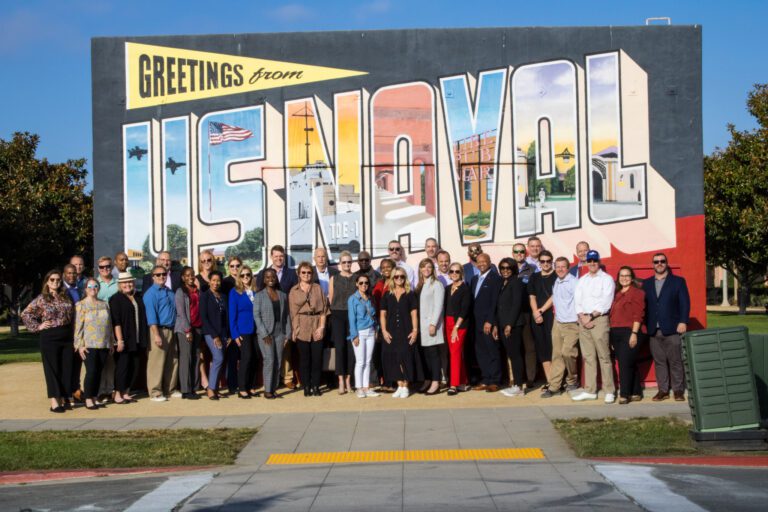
x=405 y=456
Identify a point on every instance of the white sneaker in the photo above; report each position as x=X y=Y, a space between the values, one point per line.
x=159 y=399
x=584 y=395
x=360 y=393
x=396 y=394
x=405 y=393
x=371 y=392
x=610 y=398
x=176 y=394
x=512 y=391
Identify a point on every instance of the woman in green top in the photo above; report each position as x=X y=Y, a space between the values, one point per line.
x=94 y=339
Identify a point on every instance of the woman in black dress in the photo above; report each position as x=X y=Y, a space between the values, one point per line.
x=400 y=330
x=540 y=296
x=129 y=320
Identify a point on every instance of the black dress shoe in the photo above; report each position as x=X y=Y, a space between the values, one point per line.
x=452 y=391
x=316 y=391
x=92 y=407
x=57 y=409
x=244 y=396
x=307 y=391
x=269 y=396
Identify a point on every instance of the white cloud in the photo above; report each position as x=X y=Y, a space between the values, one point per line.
x=602 y=71
x=291 y=12
x=374 y=8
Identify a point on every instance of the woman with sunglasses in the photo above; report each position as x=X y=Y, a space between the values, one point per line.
x=340 y=289
x=233 y=267
x=539 y=292
x=50 y=314
x=129 y=319
x=213 y=309
x=242 y=328
x=94 y=339
x=458 y=304
x=399 y=320
x=188 y=329
x=205 y=265
x=626 y=319
x=362 y=334
x=309 y=309
x=385 y=268
x=431 y=295
x=510 y=323
x=273 y=328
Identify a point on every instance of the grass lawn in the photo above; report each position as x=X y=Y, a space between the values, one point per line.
x=19 y=349
x=611 y=437
x=90 y=449
x=755 y=322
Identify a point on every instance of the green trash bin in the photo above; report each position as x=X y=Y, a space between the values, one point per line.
x=759 y=348
x=718 y=367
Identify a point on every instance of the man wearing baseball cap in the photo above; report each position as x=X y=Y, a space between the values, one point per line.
x=594 y=296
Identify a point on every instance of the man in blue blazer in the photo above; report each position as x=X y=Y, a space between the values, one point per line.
x=285 y=275
x=485 y=288
x=667 y=307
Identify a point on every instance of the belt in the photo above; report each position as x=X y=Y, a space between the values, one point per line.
x=567 y=323
x=164 y=327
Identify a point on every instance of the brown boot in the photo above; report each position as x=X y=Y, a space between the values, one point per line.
x=661 y=395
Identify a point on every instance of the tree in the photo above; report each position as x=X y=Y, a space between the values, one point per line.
x=177 y=242
x=736 y=200
x=250 y=248
x=46 y=216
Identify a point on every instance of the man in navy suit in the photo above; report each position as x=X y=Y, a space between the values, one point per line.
x=667 y=307
x=286 y=276
x=485 y=288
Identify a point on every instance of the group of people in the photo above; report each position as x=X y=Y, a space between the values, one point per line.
x=477 y=325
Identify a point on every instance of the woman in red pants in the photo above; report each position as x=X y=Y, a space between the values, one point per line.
x=458 y=304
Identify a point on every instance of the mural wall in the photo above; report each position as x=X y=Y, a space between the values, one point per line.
x=350 y=139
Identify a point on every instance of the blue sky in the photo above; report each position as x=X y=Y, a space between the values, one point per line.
x=45 y=45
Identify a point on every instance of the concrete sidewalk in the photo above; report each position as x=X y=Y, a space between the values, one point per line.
x=558 y=482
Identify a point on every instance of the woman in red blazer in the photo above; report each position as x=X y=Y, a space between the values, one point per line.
x=626 y=317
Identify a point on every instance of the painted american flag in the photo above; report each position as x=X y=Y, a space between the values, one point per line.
x=218 y=133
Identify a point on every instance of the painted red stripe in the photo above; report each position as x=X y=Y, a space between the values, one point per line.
x=23 y=477
x=715 y=460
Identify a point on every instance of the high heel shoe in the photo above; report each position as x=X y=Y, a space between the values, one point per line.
x=244 y=396
x=316 y=391
x=307 y=391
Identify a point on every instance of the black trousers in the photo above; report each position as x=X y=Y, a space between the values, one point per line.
x=311 y=361
x=77 y=365
x=488 y=357
x=629 y=377
x=513 y=346
x=377 y=371
x=248 y=360
x=345 y=354
x=95 y=360
x=57 y=353
x=433 y=366
x=126 y=369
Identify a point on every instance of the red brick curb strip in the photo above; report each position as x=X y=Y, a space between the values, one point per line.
x=715 y=460
x=28 y=477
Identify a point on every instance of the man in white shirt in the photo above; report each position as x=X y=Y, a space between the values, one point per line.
x=321 y=273
x=443 y=263
x=594 y=296
x=534 y=247
x=565 y=331
x=397 y=254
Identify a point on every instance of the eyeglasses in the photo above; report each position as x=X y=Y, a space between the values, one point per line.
x=346 y=262
x=545 y=262
x=593 y=261
x=246 y=275
x=399 y=277
x=206 y=261
x=505 y=267
x=105 y=267
x=160 y=274
x=659 y=262
x=93 y=286
x=518 y=251
x=306 y=272
x=454 y=271
x=395 y=249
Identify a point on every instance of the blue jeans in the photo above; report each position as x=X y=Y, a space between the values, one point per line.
x=216 y=364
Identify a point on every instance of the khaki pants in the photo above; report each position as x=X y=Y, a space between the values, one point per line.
x=596 y=350
x=565 y=338
x=287 y=363
x=163 y=365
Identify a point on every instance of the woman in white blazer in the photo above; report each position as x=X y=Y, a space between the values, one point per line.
x=431 y=294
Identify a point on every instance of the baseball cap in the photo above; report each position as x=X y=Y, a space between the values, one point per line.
x=593 y=255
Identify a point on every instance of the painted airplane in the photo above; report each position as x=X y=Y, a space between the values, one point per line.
x=173 y=165
x=136 y=151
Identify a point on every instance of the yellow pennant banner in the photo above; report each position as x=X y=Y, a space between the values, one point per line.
x=157 y=75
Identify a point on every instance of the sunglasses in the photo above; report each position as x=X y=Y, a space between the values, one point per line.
x=395 y=249
x=519 y=251
x=545 y=261
x=364 y=260
x=306 y=272
x=505 y=267
x=234 y=265
x=363 y=283
x=399 y=277
x=659 y=262
x=206 y=261
x=346 y=262
x=454 y=271
x=593 y=261
x=93 y=286
x=105 y=267
x=246 y=275
x=160 y=274
x=54 y=280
